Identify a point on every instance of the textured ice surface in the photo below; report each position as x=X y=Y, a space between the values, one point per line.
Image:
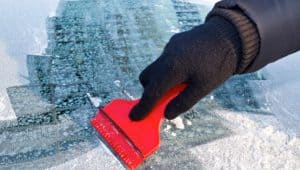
x=252 y=147
x=95 y=52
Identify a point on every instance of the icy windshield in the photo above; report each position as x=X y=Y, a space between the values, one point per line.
x=60 y=60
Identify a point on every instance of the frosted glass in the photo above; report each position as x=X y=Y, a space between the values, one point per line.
x=83 y=53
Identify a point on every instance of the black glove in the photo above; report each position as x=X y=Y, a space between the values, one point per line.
x=203 y=57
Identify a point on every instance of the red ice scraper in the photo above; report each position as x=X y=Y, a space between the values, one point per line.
x=131 y=141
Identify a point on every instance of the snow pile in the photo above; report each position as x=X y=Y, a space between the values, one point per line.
x=252 y=147
x=178 y=122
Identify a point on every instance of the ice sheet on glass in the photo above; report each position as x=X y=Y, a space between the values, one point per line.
x=94 y=53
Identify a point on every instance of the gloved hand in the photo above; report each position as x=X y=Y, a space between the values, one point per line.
x=203 y=58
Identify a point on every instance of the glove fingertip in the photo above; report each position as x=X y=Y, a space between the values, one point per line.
x=171 y=112
x=135 y=114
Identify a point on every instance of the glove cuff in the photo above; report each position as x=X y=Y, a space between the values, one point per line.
x=248 y=34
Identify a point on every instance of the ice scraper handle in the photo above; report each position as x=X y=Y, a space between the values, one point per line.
x=159 y=108
x=152 y=101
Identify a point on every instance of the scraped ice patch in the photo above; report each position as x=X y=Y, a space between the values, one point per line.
x=188 y=122
x=167 y=128
x=178 y=122
x=96 y=101
x=252 y=147
x=117 y=83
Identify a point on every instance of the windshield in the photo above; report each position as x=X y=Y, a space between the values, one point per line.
x=62 y=60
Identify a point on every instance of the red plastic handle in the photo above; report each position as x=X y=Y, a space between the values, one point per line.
x=144 y=134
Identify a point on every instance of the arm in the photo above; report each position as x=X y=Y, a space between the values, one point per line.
x=278 y=25
x=238 y=36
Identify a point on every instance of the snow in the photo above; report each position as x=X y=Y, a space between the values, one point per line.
x=188 y=122
x=262 y=142
x=178 y=122
x=252 y=147
x=284 y=92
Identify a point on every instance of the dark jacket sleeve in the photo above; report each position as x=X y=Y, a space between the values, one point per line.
x=277 y=23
